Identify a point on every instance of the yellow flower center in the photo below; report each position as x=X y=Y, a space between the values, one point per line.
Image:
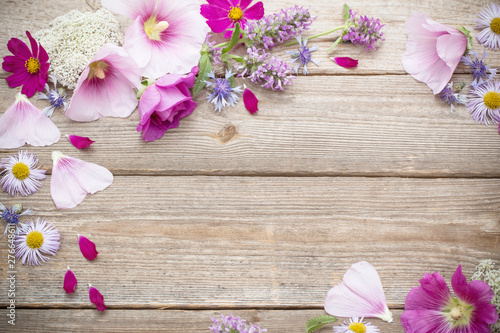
x=358 y=327
x=235 y=14
x=20 y=171
x=492 y=100
x=495 y=25
x=98 y=69
x=457 y=312
x=34 y=239
x=154 y=29
x=32 y=65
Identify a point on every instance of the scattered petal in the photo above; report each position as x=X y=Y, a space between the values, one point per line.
x=345 y=62
x=80 y=142
x=96 y=297
x=87 y=247
x=70 y=282
x=250 y=100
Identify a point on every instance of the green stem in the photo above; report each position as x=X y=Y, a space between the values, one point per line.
x=222 y=44
x=235 y=57
x=319 y=35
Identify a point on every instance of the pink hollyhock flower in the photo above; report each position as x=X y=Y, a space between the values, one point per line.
x=250 y=100
x=96 y=297
x=345 y=62
x=223 y=14
x=433 y=51
x=166 y=35
x=29 y=68
x=70 y=282
x=430 y=307
x=359 y=295
x=80 y=142
x=72 y=179
x=106 y=86
x=164 y=103
x=25 y=123
x=87 y=247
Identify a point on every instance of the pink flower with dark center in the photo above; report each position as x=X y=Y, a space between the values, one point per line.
x=106 y=86
x=96 y=297
x=430 y=307
x=87 y=247
x=250 y=100
x=224 y=14
x=80 y=142
x=29 y=68
x=70 y=282
x=166 y=35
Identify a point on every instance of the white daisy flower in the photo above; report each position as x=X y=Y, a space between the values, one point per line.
x=356 y=325
x=21 y=174
x=35 y=240
x=489 y=24
x=484 y=102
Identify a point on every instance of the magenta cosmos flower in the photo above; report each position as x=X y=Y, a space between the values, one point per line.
x=430 y=307
x=28 y=68
x=164 y=103
x=106 y=86
x=433 y=51
x=224 y=14
x=166 y=35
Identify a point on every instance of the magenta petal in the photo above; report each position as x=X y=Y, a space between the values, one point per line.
x=19 y=48
x=432 y=294
x=256 y=12
x=212 y=12
x=34 y=45
x=419 y=321
x=250 y=101
x=96 y=297
x=220 y=25
x=80 y=141
x=70 y=282
x=88 y=248
x=346 y=62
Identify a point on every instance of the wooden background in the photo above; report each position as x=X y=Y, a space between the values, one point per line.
x=260 y=215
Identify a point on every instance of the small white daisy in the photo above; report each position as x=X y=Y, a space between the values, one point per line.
x=484 y=102
x=35 y=240
x=356 y=325
x=489 y=24
x=21 y=174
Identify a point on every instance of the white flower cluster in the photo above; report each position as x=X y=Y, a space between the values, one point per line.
x=74 y=38
x=486 y=272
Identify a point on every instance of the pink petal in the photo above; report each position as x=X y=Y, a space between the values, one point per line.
x=250 y=101
x=80 y=141
x=224 y=4
x=17 y=79
x=34 y=45
x=24 y=123
x=72 y=179
x=213 y=12
x=96 y=297
x=346 y=62
x=359 y=295
x=244 y=4
x=70 y=282
x=138 y=44
x=451 y=48
x=256 y=12
x=131 y=8
x=87 y=247
x=419 y=321
x=18 y=48
x=220 y=25
x=432 y=294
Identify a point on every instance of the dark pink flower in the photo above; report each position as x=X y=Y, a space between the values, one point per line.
x=430 y=307
x=250 y=100
x=69 y=282
x=87 y=247
x=96 y=297
x=28 y=68
x=223 y=14
x=346 y=62
x=80 y=141
x=164 y=103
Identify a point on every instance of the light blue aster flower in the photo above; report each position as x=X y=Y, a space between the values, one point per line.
x=57 y=98
x=479 y=68
x=303 y=55
x=223 y=94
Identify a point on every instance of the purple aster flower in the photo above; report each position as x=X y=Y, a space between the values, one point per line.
x=478 y=68
x=484 y=102
x=234 y=325
x=11 y=215
x=223 y=94
x=489 y=24
x=303 y=55
x=364 y=31
x=430 y=307
x=21 y=174
x=452 y=95
x=57 y=98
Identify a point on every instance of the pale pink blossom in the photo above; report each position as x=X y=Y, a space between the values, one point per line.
x=359 y=295
x=72 y=179
x=166 y=35
x=433 y=51
x=24 y=123
x=106 y=86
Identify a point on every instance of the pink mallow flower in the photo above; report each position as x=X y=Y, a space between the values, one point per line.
x=106 y=86
x=25 y=123
x=87 y=247
x=164 y=103
x=359 y=295
x=166 y=35
x=72 y=179
x=70 y=282
x=96 y=297
x=430 y=307
x=433 y=51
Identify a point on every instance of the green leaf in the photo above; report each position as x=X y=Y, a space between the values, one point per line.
x=205 y=68
x=346 y=12
x=318 y=322
x=337 y=42
x=235 y=38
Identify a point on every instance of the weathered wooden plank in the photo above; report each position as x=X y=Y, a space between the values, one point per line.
x=222 y=242
x=168 y=321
